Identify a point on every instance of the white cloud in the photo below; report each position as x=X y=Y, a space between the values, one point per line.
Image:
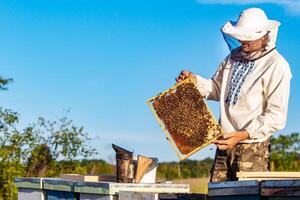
x=293 y=6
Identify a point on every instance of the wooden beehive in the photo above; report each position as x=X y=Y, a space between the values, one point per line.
x=185 y=118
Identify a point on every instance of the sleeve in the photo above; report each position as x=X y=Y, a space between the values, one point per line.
x=210 y=88
x=275 y=114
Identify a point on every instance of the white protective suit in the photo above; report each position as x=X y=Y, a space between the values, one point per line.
x=260 y=106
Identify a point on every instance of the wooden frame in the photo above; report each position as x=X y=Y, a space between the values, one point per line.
x=169 y=138
x=268 y=176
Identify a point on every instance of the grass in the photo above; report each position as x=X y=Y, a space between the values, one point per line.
x=197 y=185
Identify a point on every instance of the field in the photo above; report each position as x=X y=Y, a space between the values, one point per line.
x=197 y=185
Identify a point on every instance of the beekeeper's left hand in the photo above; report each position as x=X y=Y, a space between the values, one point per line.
x=183 y=75
x=231 y=140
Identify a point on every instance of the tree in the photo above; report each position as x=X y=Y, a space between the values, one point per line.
x=188 y=169
x=36 y=149
x=14 y=148
x=40 y=161
x=66 y=140
x=285 y=153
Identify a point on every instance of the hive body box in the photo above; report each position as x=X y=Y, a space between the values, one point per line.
x=234 y=190
x=185 y=118
x=29 y=188
x=60 y=195
x=280 y=189
x=59 y=189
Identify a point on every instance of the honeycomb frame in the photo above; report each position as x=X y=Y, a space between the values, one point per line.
x=173 y=143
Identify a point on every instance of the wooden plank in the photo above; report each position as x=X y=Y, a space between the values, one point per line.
x=284 y=191
x=79 y=177
x=280 y=188
x=149 y=187
x=58 y=184
x=233 y=191
x=237 y=197
x=280 y=183
x=97 y=197
x=107 y=178
x=280 y=198
x=88 y=178
x=113 y=188
x=33 y=183
x=230 y=188
x=124 y=195
x=270 y=178
x=183 y=196
x=268 y=174
x=232 y=184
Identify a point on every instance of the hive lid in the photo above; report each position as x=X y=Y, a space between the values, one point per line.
x=185 y=118
x=31 y=182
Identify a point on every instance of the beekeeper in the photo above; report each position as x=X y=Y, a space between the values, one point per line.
x=252 y=85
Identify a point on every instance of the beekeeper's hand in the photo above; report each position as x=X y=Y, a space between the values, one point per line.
x=183 y=75
x=231 y=140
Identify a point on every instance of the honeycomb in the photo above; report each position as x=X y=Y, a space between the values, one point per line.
x=186 y=117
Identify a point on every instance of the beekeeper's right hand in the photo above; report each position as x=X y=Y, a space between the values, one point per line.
x=183 y=75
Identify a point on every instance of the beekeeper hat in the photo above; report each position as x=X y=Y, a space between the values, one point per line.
x=252 y=24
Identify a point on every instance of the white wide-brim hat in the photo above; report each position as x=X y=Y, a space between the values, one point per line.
x=252 y=24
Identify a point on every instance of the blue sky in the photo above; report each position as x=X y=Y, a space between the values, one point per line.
x=104 y=59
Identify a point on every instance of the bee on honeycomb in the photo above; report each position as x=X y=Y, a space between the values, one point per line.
x=186 y=117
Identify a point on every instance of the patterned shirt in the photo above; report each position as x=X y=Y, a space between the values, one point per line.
x=240 y=71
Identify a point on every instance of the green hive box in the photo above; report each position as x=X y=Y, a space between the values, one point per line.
x=59 y=189
x=30 y=188
x=94 y=191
